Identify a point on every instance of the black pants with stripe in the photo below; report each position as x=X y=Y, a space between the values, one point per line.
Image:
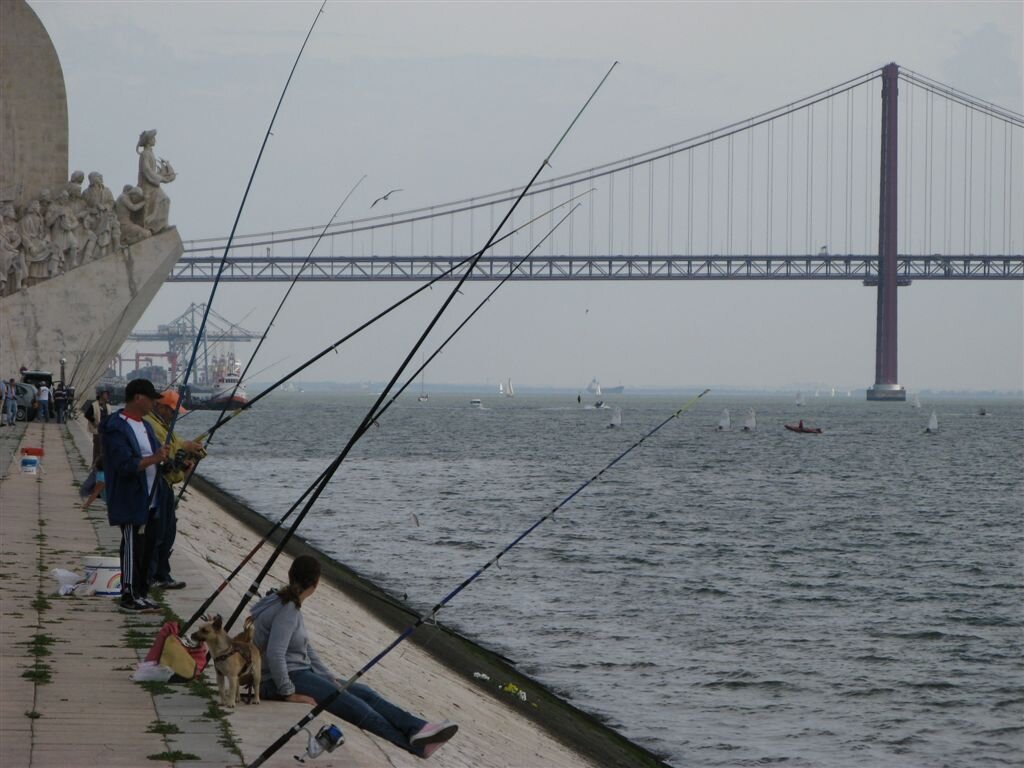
x=136 y=554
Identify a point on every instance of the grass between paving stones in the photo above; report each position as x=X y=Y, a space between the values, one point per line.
x=40 y=673
x=176 y=756
x=39 y=645
x=202 y=688
x=160 y=726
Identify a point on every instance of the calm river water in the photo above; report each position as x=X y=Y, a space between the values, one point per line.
x=854 y=598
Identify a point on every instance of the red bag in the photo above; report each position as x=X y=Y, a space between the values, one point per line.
x=169 y=651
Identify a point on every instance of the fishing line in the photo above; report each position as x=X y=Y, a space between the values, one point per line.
x=372 y=413
x=276 y=526
x=242 y=376
x=234 y=227
x=288 y=293
x=313 y=713
x=333 y=347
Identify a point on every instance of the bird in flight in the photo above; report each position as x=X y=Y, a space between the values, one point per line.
x=385 y=197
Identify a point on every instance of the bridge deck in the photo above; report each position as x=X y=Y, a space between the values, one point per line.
x=203 y=268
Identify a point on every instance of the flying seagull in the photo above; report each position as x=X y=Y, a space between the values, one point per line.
x=385 y=197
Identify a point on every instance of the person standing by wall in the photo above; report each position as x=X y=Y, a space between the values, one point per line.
x=10 y=404
x=131 y=456
x=60 y=401
x=95 y=414
x=3 y=403
x=182 y=457
x=44 y=402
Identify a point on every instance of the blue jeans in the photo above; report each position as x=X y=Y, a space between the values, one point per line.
x=359 y=705
x=44 y=411
x=11 y=411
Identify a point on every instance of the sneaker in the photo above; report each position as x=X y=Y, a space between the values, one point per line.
x=136 y=605
x=169 y=583
x=151 y=603
x=432 y=736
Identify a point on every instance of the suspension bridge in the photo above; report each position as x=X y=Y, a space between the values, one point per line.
x=886 y=178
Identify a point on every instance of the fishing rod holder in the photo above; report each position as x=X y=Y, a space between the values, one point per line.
x=327 y=739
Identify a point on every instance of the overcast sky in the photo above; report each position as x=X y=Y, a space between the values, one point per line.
x=448 y=100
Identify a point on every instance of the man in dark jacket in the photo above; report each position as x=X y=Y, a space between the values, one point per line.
x=131 y=456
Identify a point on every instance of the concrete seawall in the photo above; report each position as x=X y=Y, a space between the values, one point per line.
x=576 y=729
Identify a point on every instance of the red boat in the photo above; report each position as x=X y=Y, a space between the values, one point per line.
x=801 y=428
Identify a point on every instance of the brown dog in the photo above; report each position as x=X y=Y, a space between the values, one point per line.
x=237 y=660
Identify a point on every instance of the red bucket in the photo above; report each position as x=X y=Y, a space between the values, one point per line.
x=31 y=451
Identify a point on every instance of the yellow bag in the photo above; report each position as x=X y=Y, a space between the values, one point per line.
x=174 y=656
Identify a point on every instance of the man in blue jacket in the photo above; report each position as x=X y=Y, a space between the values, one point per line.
x=131 y=457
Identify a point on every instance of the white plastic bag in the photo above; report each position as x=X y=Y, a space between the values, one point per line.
x=152 y=670
x=66 y=580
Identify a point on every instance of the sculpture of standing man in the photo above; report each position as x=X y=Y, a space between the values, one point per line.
x=152 y=173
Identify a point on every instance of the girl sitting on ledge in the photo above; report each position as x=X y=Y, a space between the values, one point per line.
x=297 y=673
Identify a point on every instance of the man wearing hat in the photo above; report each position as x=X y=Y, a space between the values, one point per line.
x=183 y=455
x=131 y=456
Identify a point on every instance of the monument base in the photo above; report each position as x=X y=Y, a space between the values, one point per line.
x=85 y=315
x=887 y=393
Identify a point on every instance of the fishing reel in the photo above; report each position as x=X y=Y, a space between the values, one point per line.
x=327 y=739
x=178 y=462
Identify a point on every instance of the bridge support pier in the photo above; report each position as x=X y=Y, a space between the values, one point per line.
x=886 y=387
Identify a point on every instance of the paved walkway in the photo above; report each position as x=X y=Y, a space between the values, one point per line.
x=65 y=662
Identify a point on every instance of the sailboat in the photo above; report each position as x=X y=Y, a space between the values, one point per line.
x=933 y=424
x=915 y=401
x=616 y=419
x=501 y=388
x=799 y=399
x=750 y=423
x=724 y=422
x=509 y=392
x=423 y=392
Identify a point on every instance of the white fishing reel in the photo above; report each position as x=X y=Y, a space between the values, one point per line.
x=327 y=739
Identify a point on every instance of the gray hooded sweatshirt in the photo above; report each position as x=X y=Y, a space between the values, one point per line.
x=280 y=634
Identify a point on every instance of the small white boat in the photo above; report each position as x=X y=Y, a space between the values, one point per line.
x=616 y=418
x=423 y=392
x=509 y=392
x=750 y=423
x=501 y=388
x=915 y=401
x=476 y=403
x=933 y=424
x=799 y=399
x=724 y=423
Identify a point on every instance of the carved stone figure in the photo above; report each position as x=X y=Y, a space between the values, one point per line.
x=102 y=221
x=12 y=262
x=63 y=225
x=130 y=201
x=96 y=194
x=45 y=200
x=152 y=173
x=74 y=190
x=35 y=242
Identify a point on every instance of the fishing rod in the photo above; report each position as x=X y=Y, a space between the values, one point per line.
x=234 y=227
x=206 y=435
x=372 y=413
x=284 y=298
x=223 y=414
x=460 y=326
x=201 y=611
x=428 y=285
x=429 y=617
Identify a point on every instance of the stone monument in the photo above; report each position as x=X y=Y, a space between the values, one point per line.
x=77 y=267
